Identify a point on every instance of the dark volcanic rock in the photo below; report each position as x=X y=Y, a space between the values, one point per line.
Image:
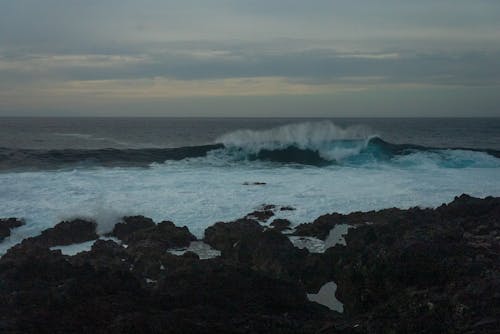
x=8 y=224
x=147 y=246
x=321 y=227
x=426 y=273
x=69 y=232
x=223 y=236
x=269 y=252
x=130 y=225
x=267 y=207
x=104 y=291
x=410 y=271
x=64 y=233
x=260 y=215
x=165 y=233
x=281 y=224
x=254 y=183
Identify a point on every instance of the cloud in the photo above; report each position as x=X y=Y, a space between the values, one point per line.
x=125 y=49
x=249 y=61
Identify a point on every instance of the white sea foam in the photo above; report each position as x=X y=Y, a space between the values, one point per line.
x=315 y=136
x=315 y=245
x=199 y=192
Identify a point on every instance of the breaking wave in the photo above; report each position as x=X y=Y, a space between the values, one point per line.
x=312 y=143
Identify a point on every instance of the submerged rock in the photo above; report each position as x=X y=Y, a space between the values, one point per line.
x=261 y=215
x=254 y=183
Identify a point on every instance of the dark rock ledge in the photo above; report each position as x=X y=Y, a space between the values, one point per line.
x=408 y=271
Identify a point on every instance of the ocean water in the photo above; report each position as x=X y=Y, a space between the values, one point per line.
x=196 y=172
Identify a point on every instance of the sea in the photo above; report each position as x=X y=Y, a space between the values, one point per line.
x=196 y=172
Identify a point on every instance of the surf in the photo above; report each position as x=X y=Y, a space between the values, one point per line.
x=317 y=144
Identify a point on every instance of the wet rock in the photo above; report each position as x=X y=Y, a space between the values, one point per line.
x=263 y=304
x=272 y=253
x=165 y=233
x=409 y=271
x=321 y=227
x=7 y=224
x=423 y=270
x=147 y=246
x=260 y=215
x=287 y=208
x=69 y=232
x=64 y=233
x=104 y=254
x=281 y=224
x=223 y=236
x=130 y=225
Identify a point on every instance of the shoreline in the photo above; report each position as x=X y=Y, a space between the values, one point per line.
x=394 y=270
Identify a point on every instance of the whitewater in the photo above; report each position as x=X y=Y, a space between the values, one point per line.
x=314 y=167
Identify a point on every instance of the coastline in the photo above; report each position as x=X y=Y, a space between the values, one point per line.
x=415 y=270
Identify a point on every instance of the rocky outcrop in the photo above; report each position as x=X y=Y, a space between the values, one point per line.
x=166 y=234
x=7 y=224
x=281 y=224
x=106 y=290
x=268 y=251
x=64 y=233
x=321 y=227
x=407 y=271
x=130 y=225
x=428 y=271
x=223 y=236
x=68 y=232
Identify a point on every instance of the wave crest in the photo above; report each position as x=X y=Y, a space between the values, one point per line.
x=331 y=142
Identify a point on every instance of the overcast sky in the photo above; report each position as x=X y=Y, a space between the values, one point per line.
x=242 y=58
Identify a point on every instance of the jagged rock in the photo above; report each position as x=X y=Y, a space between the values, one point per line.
x=222 y=236
x=321 y=227
x=165 y=233
x=410 y=271
x=64 y=233
x=130 y=225
x=260 y=215
x=423 y=271
x=104 y=254
x=69 y=232
x=281 y=224
x=8 y=224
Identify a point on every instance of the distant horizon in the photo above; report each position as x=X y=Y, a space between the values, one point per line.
x=261 y=117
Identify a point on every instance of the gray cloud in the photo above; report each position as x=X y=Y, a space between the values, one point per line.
x=315 y=65
x=439 y=42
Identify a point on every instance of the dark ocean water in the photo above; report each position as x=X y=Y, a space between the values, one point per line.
x=96 y=133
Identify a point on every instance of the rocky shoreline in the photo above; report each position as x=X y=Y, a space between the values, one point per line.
x=396 y=271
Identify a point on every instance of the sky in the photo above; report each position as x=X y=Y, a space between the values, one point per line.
x=250 y=58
